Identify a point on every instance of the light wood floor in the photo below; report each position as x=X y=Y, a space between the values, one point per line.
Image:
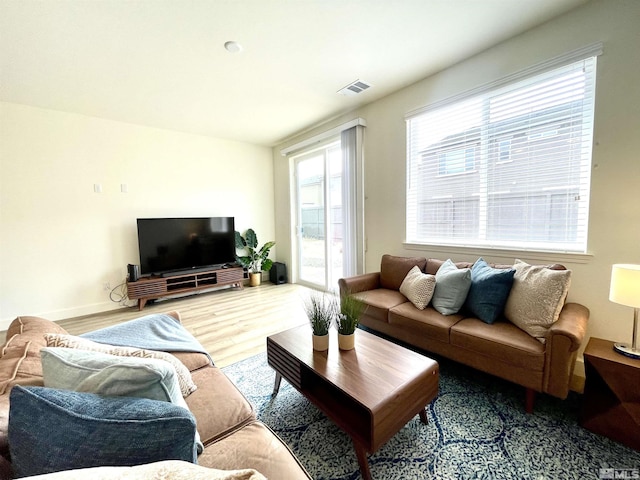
x=232 y=324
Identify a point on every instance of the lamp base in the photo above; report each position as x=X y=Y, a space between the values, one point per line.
x=626 y=350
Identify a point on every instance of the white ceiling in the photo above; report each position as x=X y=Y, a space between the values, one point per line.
x=162 y=63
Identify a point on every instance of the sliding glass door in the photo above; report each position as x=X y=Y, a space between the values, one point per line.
x=319 y=218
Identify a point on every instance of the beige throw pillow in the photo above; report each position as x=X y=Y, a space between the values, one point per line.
x=537 y=297
x=418 y=287
x=70 y=341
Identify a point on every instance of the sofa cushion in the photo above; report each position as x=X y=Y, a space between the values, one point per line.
x=52 y=430
x=489 y=291
x=379 y=301
x=254 y=446
x=434 y=264
x=20 y=362
x=217 y=404
x=424 y=323
x=393 y=270
x=165 y=470
x=418 y=287
x=537 y=297
x=452 y=286
x=192 y=360
x=70 y=341
x=20 y=355
x=502 y=341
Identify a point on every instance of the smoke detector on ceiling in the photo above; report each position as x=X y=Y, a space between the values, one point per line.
x=354 y=88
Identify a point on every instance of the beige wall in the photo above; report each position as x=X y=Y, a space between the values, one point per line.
x=60 y=241
x=614 y=234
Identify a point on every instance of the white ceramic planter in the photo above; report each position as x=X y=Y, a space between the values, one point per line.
x=321 y=343
x=346 y=342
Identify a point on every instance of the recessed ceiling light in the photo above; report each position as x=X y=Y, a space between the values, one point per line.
x=233 y=47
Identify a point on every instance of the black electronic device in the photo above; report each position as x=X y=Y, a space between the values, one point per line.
x=278 y=273
x=134 y=272
x=171 y=245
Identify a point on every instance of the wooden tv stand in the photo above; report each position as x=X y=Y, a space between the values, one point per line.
x=154 y=287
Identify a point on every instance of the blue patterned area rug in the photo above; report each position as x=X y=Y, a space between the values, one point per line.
x=477 y=430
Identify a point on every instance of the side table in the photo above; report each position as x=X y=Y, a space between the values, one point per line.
x=611 y=404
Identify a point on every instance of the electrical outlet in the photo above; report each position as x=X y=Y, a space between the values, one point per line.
x=106 y=286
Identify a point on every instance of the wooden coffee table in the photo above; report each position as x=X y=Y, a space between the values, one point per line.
x=370 y=392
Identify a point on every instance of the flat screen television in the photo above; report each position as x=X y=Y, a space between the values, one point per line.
x=172 y=245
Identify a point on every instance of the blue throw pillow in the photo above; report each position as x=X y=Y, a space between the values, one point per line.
x=489 y=290
x=452 y=286
x=52 y=430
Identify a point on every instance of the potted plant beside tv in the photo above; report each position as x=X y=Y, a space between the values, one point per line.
x=256 y=259
x=321 y=309
x=350 y=311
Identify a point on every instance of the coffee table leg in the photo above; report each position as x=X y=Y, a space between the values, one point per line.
x=363 y=461
x=276 y=385
x=423 y=416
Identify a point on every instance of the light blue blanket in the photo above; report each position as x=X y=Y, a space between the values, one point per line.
x=151 y=332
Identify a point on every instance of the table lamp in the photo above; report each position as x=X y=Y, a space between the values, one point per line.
x=625 y=290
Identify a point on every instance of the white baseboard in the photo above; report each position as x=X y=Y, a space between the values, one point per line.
x=66 y=313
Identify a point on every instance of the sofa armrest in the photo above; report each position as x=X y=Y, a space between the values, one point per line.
x=563 y=341
x=572 y=324
x=359 y=283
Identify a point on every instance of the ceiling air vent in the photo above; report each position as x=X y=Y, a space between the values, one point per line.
x=354 y=87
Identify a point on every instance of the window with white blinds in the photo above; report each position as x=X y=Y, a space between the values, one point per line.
x=505 y=168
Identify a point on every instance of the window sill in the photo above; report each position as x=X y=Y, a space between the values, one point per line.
x=467 y=252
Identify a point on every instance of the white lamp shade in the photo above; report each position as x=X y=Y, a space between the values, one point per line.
x=625 y=285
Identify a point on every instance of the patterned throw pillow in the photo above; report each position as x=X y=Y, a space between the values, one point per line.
x=418 y=287
x=70 y=341
x=537 y=297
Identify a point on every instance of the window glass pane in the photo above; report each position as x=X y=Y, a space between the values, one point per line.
x=508 y=168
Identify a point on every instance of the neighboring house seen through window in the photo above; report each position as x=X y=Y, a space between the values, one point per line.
x=505 y=168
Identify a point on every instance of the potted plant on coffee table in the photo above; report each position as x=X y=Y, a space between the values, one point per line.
x=256 y=259
x=321 y=309
x=350 y=310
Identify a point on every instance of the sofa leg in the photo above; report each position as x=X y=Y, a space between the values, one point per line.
x=529 y=400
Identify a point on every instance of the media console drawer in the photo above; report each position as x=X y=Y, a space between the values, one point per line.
x=150 y=288
x=146 y=288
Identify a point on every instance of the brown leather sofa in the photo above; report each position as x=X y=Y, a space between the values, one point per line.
x=501 y=348
x=233 y=438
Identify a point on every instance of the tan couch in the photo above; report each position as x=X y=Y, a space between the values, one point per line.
x=501 y=348
x=226 y=421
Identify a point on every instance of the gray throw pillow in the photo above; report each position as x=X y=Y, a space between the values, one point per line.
x=187 y=386
x=452 y=287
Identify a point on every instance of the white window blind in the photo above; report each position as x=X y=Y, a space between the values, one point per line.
x=505 y=168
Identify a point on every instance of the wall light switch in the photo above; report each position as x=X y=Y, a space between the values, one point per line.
x=97 y=188
x=124 y=188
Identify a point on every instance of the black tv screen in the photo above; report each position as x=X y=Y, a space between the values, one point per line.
x=181 y=244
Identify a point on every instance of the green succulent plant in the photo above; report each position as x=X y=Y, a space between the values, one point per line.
x=256 y=259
